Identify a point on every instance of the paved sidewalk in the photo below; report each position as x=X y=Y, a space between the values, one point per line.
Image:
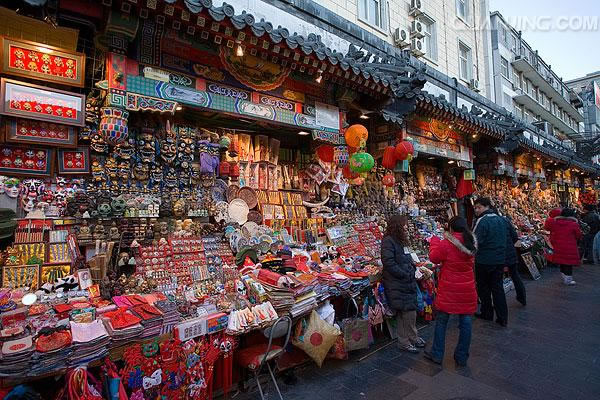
x=550 y=351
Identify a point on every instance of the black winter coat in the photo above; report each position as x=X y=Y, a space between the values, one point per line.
x=398 y=276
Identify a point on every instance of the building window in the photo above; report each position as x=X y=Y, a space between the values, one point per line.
x=504 y=68
x=508 y=104
x=462 y=9
x=374 y=13
x=464 y=61
x=430 y=38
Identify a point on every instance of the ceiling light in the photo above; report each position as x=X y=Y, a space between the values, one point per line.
x=474 y=136
x=363 y=116
x=319 y=77
x=432 y=158
x=303 y=133
x=451 y=162
x=239 y=51
x=178 y=108
x=450 y=126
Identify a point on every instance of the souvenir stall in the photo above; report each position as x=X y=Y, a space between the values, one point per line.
x=182 y=204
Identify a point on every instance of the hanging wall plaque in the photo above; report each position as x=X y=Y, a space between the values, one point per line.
x=21 y=130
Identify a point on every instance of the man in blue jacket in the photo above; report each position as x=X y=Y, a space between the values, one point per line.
x=491 y=233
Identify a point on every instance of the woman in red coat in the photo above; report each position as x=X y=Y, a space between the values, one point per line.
x=564 y=234
x=456 y=292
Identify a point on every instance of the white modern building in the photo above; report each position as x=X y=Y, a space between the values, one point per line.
x=447 y=35
x=526 y=85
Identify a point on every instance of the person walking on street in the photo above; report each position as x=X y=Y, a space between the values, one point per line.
x=399 y=282
x=564 y=234
x=490 y=231
x=555 y=212
x=512 y=260
x=456 y=292
x=592 y=220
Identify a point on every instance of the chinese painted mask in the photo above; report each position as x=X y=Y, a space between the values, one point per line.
x=98 y=174
x=168 y=150
x=170 y=177
x=147 y=146
x=141 y=172
x=97 y=142
x=111 y=167
x=126 y=149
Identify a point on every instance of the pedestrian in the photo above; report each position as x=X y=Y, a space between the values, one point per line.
x=512 y=260
x=456 y=292
x=399 y=282
x=591 y=218
x=564 y=234
x=490 y=231
x=555 y=212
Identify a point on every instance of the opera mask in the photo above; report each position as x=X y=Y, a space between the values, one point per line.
x=118 y=206
x=195 y=174
x=185 y=150
x=170 y=177
x=124 y=171
x=156 y=173
x=27 y=204
x=141 y=172
x=111 y=167
x=126 y=149
x=98 y=174
x=146 y=145
x=61 y=182
x=97 y=142
x=168 y=150
x=179 y=208
x=104 y=210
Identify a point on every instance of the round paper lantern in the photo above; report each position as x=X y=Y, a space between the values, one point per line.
x=389 y=158
x=388 y=180
x=325 y=153
x=361 y=162
x=403 y=150
x=348 y=173
x=356 y=135
x=113 y=125
x=224 y=142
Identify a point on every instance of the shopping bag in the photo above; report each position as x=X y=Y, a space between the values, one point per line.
x=356 y=331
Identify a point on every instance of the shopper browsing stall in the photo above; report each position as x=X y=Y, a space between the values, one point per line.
x=564 y=234
x=490 y=231
x=512 y=260
x=456 y=292
x=400 y=283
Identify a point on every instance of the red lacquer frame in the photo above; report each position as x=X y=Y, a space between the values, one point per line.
x=41 y=62
x=21 y=99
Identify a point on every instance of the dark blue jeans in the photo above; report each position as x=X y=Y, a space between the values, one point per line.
x=461 y=353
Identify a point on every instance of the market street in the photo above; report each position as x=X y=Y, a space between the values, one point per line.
x=549 y=351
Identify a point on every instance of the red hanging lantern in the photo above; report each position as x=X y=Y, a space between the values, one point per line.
x=403 y=150
x=389 y=157
x=348 y=173
x=388 y=180
x=325 y=152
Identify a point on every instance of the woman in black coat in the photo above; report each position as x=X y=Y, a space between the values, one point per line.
x=400 y=284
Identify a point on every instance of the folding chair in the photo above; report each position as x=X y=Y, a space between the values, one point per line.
x=255 y=357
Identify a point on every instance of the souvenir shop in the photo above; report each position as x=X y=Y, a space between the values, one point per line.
x=161 y=217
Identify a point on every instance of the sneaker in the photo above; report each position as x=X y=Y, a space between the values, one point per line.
x=428 y=356
x=410 y=349
x=568 y=280
x=420 y=343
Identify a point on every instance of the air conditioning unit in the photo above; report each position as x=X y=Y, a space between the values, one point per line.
x=417 y=29
x=401 y=38
x=417 y=47
x=474 y=85
x=416 y=8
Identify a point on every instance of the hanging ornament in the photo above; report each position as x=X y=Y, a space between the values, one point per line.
x=361 y=162
x=340 y=155
x=403 y=150
x=389 y=158
x=224 y=142
x=348 y=173
x=113 y=125
x=388 y=180
x=356 y=136
x=325 y=153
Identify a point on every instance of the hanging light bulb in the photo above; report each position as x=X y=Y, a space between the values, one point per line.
x=239 y=51
x=319 y=77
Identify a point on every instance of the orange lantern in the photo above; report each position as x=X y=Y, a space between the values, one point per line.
x=388 y=180
x=325 y=153
x=356 y=135
x=389 y=157
x=348 y=173
x=403 y=150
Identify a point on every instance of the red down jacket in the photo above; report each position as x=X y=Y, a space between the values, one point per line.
x=456 y=292
x=564 y=234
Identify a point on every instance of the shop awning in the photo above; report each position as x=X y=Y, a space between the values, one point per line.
x=439 y=107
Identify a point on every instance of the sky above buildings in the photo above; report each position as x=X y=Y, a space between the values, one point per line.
x=566 y=33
